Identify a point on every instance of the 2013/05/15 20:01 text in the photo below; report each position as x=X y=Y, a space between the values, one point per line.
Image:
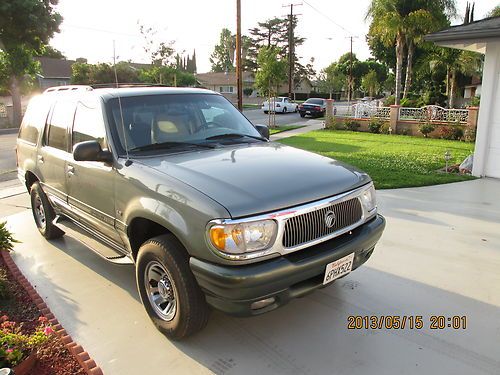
x=435 y=322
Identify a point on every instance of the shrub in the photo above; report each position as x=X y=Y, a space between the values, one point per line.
x=389 y=100
x=4 y=289
x=470 y=134
x=451 y=132
x=475 y=101
x=405 y=102
x=375 y=125
x=16 y=346
x=426 y=129
x=6 y=238
x=405 y=132
x=384 y=129
x=339 y=125
x=248 y=91
x=351 y=125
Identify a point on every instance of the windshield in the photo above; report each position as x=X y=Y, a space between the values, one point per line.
x=314 y=101
x=175 y=118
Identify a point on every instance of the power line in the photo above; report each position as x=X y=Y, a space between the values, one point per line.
x=327 y=17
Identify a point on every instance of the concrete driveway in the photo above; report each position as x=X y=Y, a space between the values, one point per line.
x=440 y=255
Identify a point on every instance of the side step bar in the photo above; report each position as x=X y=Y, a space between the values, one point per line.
x=104 y=249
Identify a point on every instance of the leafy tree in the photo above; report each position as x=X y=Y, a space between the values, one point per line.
x=167 y=75
x=370 y=83
x=331 y=79
x=222 y=59
x=49 y=51
x=495 y=12
x=25 y=26
x=89 y=74
x=161 y=53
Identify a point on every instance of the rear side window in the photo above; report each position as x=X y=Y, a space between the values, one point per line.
x=34 y=120
x=88 y=125
x=61 y=119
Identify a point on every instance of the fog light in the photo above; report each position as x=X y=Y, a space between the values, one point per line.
x=262 y=303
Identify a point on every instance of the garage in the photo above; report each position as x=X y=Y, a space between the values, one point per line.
x=482 y=36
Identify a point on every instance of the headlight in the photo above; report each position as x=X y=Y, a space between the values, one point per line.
x=368 y=199
x=243 y=237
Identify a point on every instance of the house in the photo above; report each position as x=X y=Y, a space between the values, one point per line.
x=225 y=82
x=481 y=36
x=473 y=89
x=54 y=72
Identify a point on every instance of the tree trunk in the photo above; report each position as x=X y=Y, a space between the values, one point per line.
x=453 y=82
x=399 y=67
x=15 y=91
x=409 y=69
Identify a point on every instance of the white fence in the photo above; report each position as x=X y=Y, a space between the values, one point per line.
x=434 y=113
x=430 y=113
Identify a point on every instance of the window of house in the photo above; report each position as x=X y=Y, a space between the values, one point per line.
x=226 y=89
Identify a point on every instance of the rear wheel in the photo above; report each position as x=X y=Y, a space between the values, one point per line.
x=302 y=115
x=284 y=109
x=266 y=112
x=168 y=289
x=43 y=213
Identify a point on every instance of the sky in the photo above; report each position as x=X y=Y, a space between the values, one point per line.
x=90 y=27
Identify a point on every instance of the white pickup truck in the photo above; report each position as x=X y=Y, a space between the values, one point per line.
x=280 y=104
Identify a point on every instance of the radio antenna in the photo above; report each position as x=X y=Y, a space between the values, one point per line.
x=127 y=162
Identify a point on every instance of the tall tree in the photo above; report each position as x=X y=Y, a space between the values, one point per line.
x=495 y=12
x=160 y=53
x=25 y=26
x=370 y=83
x=331 y=79
x=222 y=58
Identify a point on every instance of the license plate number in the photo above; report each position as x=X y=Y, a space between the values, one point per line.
x=308 y=112
x=338 y=268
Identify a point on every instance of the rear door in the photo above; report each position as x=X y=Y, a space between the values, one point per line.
x=54 y=152
x=91 y=184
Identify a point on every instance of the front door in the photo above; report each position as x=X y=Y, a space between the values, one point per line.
x=91 y=184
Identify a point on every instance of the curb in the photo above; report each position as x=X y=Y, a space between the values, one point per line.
x=82 y=357
x=9 y=130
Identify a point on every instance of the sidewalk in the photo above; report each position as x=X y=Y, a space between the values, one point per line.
x=310 y=125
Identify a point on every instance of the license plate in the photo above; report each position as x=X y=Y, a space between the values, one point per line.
x=338 y=268
x=308 y=112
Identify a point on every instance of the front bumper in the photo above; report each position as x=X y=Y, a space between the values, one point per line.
x=233 y=289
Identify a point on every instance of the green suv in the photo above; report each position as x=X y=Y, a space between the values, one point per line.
x=183 y=186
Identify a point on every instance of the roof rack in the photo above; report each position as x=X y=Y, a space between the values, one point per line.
x=125 y=85
x=68 y=88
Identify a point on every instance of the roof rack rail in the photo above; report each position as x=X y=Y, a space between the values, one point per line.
x=67 y=88
x=125 y=85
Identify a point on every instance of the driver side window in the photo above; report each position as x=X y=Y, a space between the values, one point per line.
x=88 y=125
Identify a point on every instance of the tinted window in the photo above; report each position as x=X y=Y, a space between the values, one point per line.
x=34 y=119
x=88 y=125
x=314 y=101
x=62 y=117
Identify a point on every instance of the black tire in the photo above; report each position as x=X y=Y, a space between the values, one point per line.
x=191 y=311
x=284 y=110
x=302 y=115
x=43 y=213
x=266 y=112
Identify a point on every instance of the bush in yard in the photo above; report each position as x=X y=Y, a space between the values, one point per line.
x=374 y=126
x=6 y=239
x=4 y=290
x=351 y=125
x=248 y=91
x=470 y=134
x=384 y=128
x=451 y=132
x=15 y=346
x=389 y=101
x=426 y=129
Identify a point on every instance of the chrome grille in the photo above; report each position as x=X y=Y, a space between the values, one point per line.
x=312 y=225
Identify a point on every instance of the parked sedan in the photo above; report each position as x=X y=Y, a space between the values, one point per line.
x=314 y=107
x=280 y=104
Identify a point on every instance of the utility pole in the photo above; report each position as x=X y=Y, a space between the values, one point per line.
x=291 y=49
x=239 y=82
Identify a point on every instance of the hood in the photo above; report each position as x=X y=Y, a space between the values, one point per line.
x=261 y=177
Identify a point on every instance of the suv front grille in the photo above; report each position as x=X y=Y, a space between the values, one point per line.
x=312 y=225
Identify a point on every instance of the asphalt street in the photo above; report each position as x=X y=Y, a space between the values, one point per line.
x=7 y=156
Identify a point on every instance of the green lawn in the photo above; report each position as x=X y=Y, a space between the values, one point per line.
x=393 y=161
x=283 y=128
x=250 y=106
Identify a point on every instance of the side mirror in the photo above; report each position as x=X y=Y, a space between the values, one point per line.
x=91 y=151
x=263 y=130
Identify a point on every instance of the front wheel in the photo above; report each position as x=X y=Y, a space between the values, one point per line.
x=168 y=289
x=43 y=213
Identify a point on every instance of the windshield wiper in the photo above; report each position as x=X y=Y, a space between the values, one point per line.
x=235 y=135
x=169 y=145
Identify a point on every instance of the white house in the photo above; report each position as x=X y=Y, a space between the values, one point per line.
x=481 y=36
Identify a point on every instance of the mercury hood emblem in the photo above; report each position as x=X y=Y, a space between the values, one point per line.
x=330 y=219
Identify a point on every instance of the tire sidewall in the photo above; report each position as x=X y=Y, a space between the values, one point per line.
x=36 y=190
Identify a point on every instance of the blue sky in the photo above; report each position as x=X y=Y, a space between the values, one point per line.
x=90 y=26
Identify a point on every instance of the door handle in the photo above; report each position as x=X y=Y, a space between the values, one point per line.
x=71 y=170
x=40 y=159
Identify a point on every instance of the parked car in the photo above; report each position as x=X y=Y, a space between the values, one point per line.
x=170 y=180
x=280 y=104
x=314 y=107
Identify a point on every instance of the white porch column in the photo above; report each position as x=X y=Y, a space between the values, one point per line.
x=489 y=111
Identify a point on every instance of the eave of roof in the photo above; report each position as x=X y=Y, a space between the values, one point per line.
x=480 y=30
